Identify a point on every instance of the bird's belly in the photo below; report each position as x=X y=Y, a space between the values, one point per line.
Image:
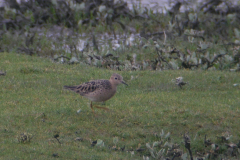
x=100 y=97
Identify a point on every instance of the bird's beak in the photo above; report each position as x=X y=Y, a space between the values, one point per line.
x=124 y=83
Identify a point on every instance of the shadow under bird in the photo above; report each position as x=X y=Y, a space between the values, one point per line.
x=98 y=90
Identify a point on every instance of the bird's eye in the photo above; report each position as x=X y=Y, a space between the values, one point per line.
x=115 y=77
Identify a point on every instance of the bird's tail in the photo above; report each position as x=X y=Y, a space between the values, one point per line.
x=72 y=88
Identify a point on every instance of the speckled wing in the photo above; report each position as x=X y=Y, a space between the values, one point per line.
x=89 y=87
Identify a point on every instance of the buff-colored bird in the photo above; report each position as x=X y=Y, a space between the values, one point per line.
x=98 y=90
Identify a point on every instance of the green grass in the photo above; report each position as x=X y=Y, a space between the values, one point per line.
x=209 y=105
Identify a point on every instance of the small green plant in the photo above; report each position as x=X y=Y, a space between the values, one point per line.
x=24 y=137
x=100 y=143
x=158 y=154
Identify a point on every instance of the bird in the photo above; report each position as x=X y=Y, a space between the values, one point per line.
x=98 y=90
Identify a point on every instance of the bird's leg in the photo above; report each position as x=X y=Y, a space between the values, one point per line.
x=105 y=108
x=102 y=107
x=92 y=107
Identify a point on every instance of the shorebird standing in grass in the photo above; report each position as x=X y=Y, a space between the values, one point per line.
x=98 y=90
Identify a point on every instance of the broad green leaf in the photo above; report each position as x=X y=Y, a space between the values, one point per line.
x=213 y=146
x=100 y=143
x=155 y=144
x=192 y=16
x=145 y=158
x=160 y=153
x=152 y=154
x=73 y=60
x=227 y=138
x=162 y=133
x=148 y=146
x=167 y=135
x=102 y=8
x=237 y=33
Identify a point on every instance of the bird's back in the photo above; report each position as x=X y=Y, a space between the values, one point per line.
x=96 y=90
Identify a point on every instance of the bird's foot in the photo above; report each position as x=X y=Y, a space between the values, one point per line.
x=107 y=109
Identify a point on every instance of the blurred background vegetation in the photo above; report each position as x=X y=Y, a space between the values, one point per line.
x=107 y=34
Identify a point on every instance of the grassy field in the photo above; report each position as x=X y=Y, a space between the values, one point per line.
x=33 y=102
